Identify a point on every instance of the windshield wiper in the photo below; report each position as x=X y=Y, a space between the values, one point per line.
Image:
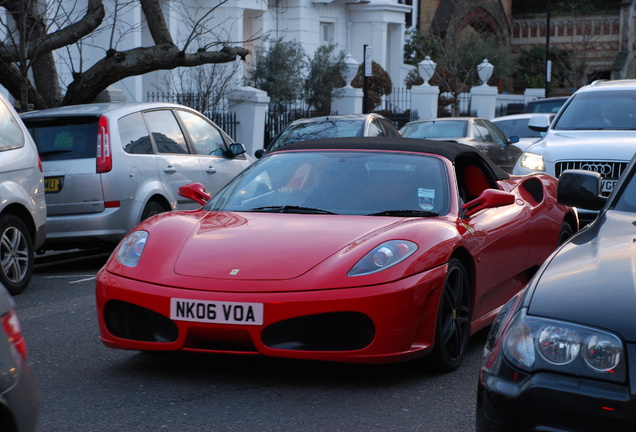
x=291 y=209
x=406 y=213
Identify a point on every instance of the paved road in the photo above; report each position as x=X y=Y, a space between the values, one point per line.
x=88 y=387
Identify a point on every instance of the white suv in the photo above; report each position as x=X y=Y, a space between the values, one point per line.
x=595 y=130
x=108 y=166
x=22 y=207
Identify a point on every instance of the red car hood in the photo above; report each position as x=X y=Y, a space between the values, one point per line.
x=262 y=246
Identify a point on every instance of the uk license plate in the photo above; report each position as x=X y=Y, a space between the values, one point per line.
x=52 y=184
x=216 y=312
x=607 y=186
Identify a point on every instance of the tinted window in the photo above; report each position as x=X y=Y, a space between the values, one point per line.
x=316 y=130
x=389 y=129
x=363 y=183
x=375 y=129
x=517 y=128
x=599 y=110
x=65 y=137
x=436 y=129
x=206 y=138
x=10 y=131
x=166 y=132
x=134 y=134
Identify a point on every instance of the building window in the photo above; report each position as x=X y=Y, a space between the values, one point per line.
x=327 y=33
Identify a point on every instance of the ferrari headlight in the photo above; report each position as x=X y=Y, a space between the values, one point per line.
x=383 y=256
x=131 y=248
x=532 y=161
x=534 y=343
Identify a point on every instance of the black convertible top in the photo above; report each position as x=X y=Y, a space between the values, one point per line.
x=451 y=150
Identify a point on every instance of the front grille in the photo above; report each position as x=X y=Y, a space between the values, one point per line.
x=129 y=321
x=609 y=170
x=335 y=331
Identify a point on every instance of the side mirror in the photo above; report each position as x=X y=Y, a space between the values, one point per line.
x=195 y=192
x=539 y=122
x=580 y=188
x=237 y=149
x=490 y=198
x=513 y=139
x=259 y=153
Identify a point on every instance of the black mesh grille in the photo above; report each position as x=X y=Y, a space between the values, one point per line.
x=336 y=331
x=129 y=321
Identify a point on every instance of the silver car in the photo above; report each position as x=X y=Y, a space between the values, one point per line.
x=22 y=207
x=19 y=395
x=109 y=166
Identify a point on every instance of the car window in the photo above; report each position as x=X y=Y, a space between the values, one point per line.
x=133 y=134
x=389 y=129
x=10 y=132
x=340 y=182
x=436 y=129
x=166 y=131
x=206 y=138
x=495 y=134
x=599 y=110
x=375 y=129
x=64 y=137
x=517 y=127
x=483 y=132
x=316 y=130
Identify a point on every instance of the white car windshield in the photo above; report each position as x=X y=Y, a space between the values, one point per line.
x=599 y=110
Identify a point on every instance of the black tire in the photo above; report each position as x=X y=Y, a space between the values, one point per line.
x=16 y=254
x=453 y=319
x=151 y=209
x=566 y=232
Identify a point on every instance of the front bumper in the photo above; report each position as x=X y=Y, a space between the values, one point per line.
x=550 y=402
x=372 y=324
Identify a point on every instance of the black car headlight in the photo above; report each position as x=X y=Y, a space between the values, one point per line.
x=534 y=343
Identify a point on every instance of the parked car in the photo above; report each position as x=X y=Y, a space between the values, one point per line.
x=109 y=166
x=474 y=131
x=23 y=207
x=560 y=355
x=516 y=125
x=546 y=105
x=336 y=126
x=19 y=395
x=348 y=249
x=595 y=130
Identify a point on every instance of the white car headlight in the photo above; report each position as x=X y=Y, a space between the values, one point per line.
x=532 y=161
x=131 y=248
x=534 y=343
x=383 y=256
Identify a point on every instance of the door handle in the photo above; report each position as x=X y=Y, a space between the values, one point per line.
x=170 y=169
x=210 y=170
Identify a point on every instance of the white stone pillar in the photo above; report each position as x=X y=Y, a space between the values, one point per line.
x=425 y=97
x=350 y=101
x=483 y=98
x=250 y=105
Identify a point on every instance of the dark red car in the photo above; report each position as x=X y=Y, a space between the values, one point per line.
x=370 y=250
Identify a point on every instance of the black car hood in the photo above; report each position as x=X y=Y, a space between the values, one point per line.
x=592 y=279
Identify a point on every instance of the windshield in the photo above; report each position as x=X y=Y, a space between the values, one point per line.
x=517 y=127
x=435 y=129
x=317 y=130
x=599 y=110
x=355 y=183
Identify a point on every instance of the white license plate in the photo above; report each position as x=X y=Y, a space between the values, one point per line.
x=216 y=312
x=608 y=185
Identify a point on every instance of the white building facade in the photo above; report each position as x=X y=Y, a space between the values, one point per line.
x=348 y=24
